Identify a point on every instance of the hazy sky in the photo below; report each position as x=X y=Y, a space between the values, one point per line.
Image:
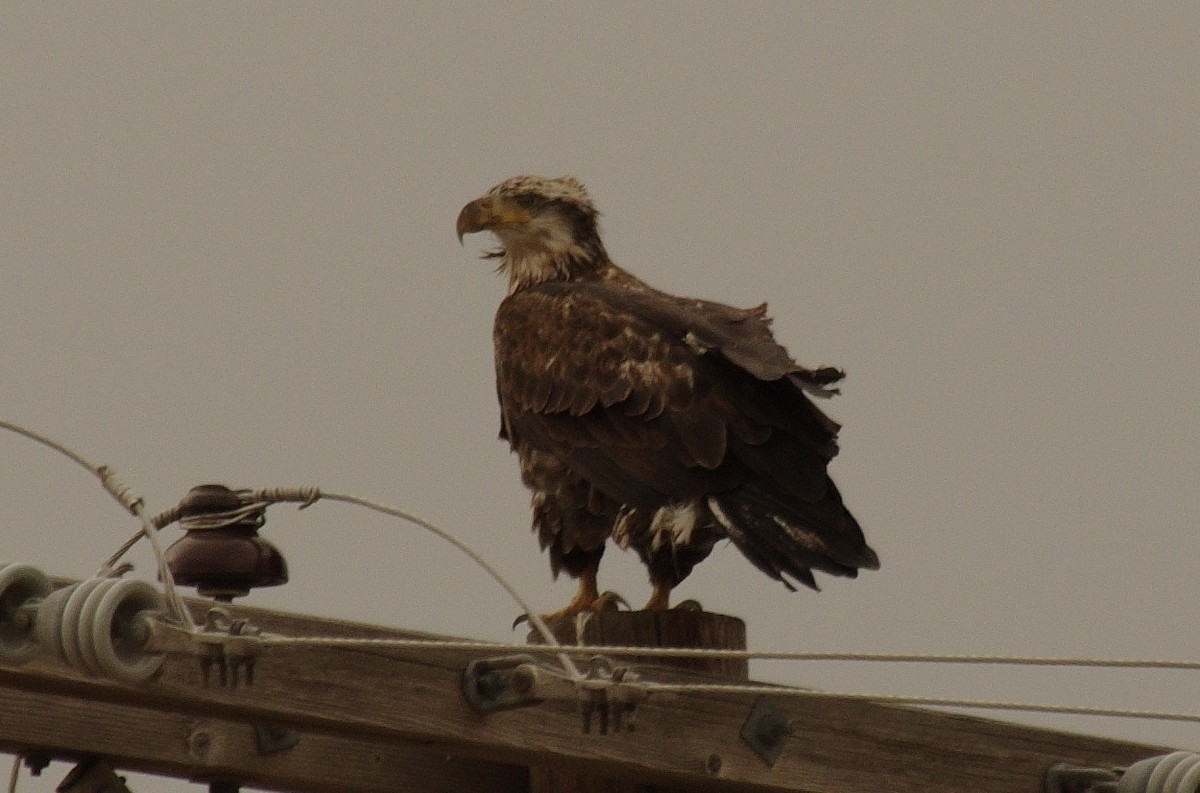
x=228 y=255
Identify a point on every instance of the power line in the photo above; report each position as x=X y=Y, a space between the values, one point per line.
x=254 y=503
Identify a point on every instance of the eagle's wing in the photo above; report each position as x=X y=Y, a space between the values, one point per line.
x=652 y=397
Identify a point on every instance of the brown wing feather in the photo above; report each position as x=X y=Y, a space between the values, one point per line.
x=654 y=376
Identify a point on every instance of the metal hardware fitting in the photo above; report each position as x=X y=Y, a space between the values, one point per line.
x=1065 y=778
x=766 y=730
x=609 y=695
x=1176 y=772
x=94 y=775
x=231 y=645
x=491 y=684
x=271 y=740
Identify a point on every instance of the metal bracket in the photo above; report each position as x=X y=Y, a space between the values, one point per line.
x=231 y=645
x=94 y=775
x=1175 y=772
x=766 y=730
x=1066 y=778
x=491 y=684
x=271 y=740
x=610 y=693
x=623 y=699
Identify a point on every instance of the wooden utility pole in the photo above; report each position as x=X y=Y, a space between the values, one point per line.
x=383 y=718
x=674 y=628
x=677 y=628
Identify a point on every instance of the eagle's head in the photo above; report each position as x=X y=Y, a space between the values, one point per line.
x=546 y=228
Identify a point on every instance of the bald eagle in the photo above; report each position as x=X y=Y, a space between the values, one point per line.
x=666 y=423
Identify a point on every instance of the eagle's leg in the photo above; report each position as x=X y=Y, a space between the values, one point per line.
x=585 y=596
x=660 y=597
x=660 y=600
x=588 y=597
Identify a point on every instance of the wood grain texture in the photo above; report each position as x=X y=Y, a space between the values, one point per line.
x=410 y=697
x=203 y=749
x=674 y=628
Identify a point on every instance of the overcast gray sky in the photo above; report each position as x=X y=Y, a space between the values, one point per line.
x=228 y=255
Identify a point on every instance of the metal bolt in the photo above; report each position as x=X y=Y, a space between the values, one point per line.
x=766 y=730
x=773 y=728
x=139 y=630
x=199 y=743
x=523 y=679
x=490 y=684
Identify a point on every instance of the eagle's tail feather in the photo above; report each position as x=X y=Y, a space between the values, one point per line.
x=793 y=539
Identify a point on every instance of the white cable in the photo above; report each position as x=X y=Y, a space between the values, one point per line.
x=779 y=690
x=42 y=439
x=252 y=510
x=650 y=687
x=164 y=571
x=259 y=499
x=534 y=618
x=892 y=699
x=695 y=652
x=128 y=499
x=256 y=501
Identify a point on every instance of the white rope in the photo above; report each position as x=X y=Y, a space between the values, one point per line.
x=42 y=439
x=651 y=687
x=780 y=690
x=128 y=499
x=534 y=618
x=892 y=699
x=256 y=501
x=464 y=645
x=111 y=562
x=694 y=652
x=686 y=652
x=164 y=571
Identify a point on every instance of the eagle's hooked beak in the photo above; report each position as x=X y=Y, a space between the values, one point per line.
x=488 y=214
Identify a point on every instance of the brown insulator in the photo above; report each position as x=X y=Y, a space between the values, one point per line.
x=225 y=562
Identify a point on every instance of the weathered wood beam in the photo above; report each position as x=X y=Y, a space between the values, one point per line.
x=391 y=696
x=204 y=749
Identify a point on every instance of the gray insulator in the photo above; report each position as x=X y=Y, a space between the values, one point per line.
x=1178 y=772
x=48 y=623
x=118 y=631
x=22 y=587
x=72 y=617
x=98 y=627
